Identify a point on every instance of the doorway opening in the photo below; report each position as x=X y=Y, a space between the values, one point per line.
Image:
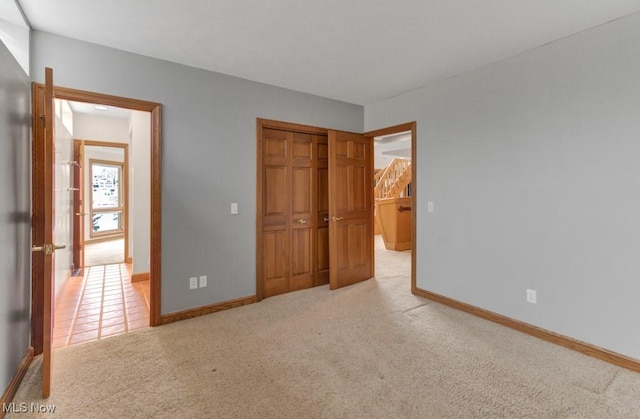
x=102 y=218
x=106 y=294
x=395 y=202
x=124 y=304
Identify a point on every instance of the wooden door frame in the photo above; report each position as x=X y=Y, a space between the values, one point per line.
x=125 y=190
x=412 y=127
x=155 y=251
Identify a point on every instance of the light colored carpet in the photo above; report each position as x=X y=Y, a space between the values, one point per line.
x=104 y=253
x=371 y=350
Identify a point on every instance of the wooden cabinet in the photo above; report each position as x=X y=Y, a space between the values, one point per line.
x=394 y=219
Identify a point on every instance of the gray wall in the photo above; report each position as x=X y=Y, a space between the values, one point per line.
x=209 y=155
x=533 y=165
x=15 y=215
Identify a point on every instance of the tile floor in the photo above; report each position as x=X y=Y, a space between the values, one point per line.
x=101 y=303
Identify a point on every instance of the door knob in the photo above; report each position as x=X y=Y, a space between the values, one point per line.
x=302 y=221
x=48 y=249
x=326 y=219
x=337 y=218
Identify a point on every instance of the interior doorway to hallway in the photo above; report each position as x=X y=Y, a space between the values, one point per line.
x=395 y=201
x=105 y=293
x=152 y=214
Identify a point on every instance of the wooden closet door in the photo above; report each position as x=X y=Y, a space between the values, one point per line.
x=351 y=208
x=276 y=207
x=288 y=211
x=302 y=222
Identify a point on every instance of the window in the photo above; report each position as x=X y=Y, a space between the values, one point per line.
x=107 y=201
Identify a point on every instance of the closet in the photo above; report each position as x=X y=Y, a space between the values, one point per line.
x=295 y=210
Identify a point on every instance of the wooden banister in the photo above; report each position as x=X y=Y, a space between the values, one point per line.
x=390 y=182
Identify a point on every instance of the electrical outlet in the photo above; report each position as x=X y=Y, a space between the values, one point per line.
x=193 y=283
x=203 y=281
x=234 y=208
x=532 y=296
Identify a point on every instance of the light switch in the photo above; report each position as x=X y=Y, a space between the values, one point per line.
x=234 y=208
x=430 y=206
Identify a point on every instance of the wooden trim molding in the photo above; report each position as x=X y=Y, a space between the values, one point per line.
x=11 y=389
x=556 y=338
x=201 y=311
x=155 y=244
x=290 y=126
x=141 y=276
x=123 y=208
x=259 y=204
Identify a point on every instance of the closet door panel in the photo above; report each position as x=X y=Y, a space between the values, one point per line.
x=276 y=209
x=302 y=211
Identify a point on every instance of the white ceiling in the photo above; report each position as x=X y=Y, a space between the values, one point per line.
x=395 y=145
x=358 y=51
x=90 y=109
x=9 y=12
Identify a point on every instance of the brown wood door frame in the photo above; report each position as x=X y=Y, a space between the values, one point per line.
x=125 y=186
x=412 y=127
x=155 y=109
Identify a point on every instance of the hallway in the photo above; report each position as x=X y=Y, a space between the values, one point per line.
x=101 y=303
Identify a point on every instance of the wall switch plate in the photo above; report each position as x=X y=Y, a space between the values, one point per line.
x=532 y=296
x=193 y=283
x=203 y=281
x=234 y=208
x=430 y=206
